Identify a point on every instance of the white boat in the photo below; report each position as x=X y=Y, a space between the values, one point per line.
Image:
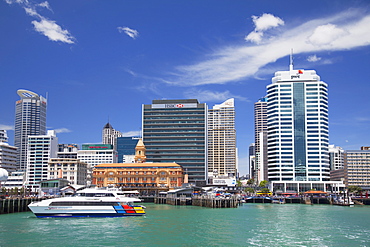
x=89 y=203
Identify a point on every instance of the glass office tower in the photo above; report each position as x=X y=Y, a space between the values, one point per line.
x=297 y=122
x=30 y=119
x=175 y=131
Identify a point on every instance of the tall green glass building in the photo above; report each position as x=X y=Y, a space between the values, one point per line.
x=175 y=131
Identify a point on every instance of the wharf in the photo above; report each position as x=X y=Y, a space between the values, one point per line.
x=16 y=205
x=202 y=201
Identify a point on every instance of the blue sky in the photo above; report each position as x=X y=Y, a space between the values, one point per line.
x=100 y=60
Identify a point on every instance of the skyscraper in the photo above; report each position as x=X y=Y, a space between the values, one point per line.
x=109 y=134
x=30 y=119
x=222 y=162
x=175 y=131
x=298 y=137
x=259 y=171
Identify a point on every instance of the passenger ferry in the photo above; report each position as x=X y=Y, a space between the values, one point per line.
x=89 y=203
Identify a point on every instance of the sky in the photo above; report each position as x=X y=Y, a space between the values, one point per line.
x=99 y=61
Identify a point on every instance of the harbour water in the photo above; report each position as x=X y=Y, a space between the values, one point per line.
x=166 y=225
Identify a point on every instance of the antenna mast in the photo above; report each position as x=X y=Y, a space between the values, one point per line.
x=291 y=60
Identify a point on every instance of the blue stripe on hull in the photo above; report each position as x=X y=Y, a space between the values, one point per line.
x=85 y=215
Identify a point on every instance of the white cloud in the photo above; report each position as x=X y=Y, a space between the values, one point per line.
x=235 y=63
x=130 y=32
x=6 y=127
x=263 y=23
x=326 y=34
x=62 y=130
x=313 y=58
x=211 y=96
x=43 y=25
x=53 y=31
x=45 y=5
x=132 y=133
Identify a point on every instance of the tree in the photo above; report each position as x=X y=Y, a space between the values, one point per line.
x=249 y=190
x=263 y=183
x=250 y=181
x=265 y=190
x=354 y=189
x=239 y=184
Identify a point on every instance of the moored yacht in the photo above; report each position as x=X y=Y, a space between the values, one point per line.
x=89 y=203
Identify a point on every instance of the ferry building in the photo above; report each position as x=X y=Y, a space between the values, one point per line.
x=147 y=178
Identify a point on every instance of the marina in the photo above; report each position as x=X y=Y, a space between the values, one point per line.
x=248 y=225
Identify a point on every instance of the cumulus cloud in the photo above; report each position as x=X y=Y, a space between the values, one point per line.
x=131 y=133
x=53 y=31
x=130 y=32
x=62 y=130
x=211 y=96
x=43 y=25
x=326 y=34
x=313 y=58
x=263 y=23
x=6 y=127
x=349 y=30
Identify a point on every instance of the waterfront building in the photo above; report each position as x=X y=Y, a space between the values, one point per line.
x=8 y=153
x=222 y=156
x=357 y=168
x=175 y=131
x=16 y=179
x=72 y=170
x=68 y=151
x=95 y=154
x=336 y=158
x=148 y=178
x=30 y=119
x=3 y=136
x=40 y=149
x=252 y=160
x=260 y=138
x=125 y=147
x=297 y=134
x=109 y=134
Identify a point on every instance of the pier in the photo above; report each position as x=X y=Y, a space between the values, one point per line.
x=15 y=205
x=201 y=201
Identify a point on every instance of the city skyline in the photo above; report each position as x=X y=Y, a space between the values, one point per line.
x=98 y=63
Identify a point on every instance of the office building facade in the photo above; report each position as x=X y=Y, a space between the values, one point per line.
x=125 y=147
x=259 y=170
x=40 y=149
x=357 y=168
x=30 y=119
x=175 y=131
x=297 y=127
x=222 y=157
x=109 y=134
x=72 y=170
x=8 y=153
x=67 y=151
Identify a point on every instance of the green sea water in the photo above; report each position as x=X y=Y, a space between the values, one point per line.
x=165 y=225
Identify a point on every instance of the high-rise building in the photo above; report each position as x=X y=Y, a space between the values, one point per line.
x=30 y=119
x=40 y=149
x=336 y=158
x=109 y=134
x=8 y=153
x=259 y=172
x=125 y=147
x=357 y=168
x=222 y=158
x=297 y=134
x=175 y=131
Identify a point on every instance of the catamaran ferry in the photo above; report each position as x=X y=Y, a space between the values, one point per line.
x=89 y=203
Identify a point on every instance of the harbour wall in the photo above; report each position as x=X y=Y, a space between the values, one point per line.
x=16 y=205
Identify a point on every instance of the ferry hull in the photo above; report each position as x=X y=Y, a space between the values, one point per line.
x=93 y=211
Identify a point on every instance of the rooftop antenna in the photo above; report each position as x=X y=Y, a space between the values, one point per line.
x=291 y=60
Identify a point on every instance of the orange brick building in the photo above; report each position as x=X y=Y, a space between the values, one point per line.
x=144 y=177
